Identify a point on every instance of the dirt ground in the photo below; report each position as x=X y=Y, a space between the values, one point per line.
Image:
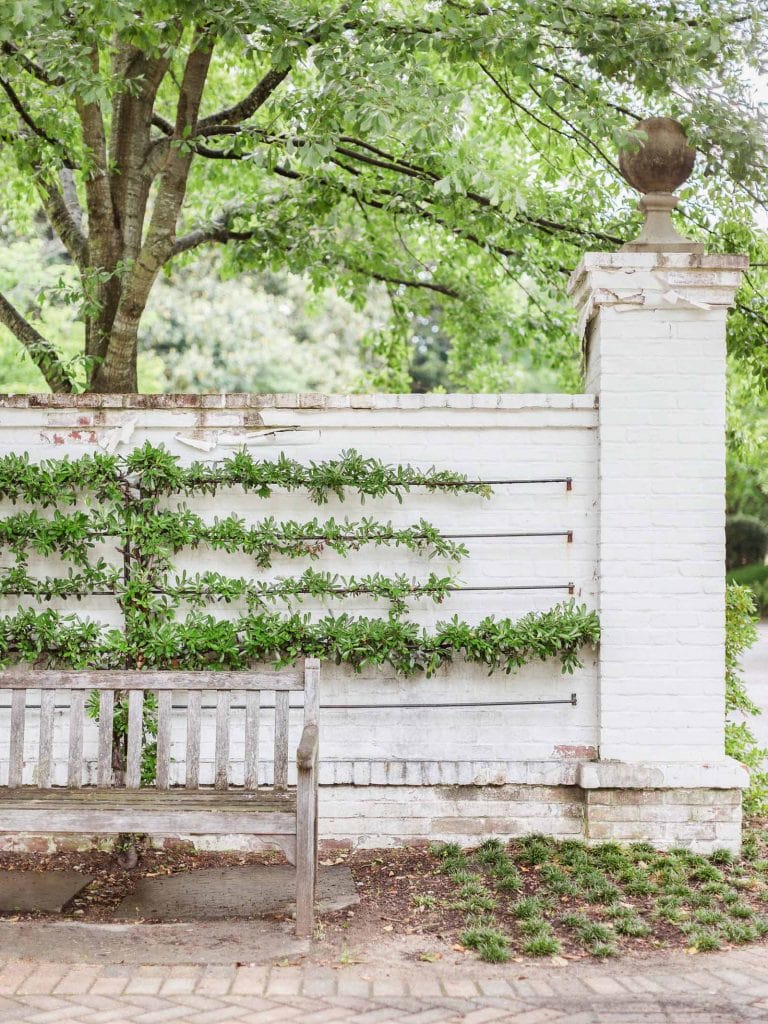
x=405 y=901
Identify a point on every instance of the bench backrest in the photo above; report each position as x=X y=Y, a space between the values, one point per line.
x=133 y=686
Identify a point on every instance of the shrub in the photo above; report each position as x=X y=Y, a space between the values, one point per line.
x=746 y=541
x=740 y=742
x=756 y=578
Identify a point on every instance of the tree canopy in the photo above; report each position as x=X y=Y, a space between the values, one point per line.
x=461 y=154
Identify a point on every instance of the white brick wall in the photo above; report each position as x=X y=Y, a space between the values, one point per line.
x=487 y=437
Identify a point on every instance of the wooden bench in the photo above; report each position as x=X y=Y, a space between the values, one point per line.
x=118 y=803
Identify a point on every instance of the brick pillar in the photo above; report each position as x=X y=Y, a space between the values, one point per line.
x=654 y=329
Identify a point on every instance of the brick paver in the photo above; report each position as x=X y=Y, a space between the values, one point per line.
x=722 y=988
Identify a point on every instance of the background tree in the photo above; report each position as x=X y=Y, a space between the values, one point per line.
x=460 y=154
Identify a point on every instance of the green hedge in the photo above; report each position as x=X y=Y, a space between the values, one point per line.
x=746 y=541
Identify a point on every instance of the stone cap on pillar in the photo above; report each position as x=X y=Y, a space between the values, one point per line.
x=629 y=280
x=725 y=774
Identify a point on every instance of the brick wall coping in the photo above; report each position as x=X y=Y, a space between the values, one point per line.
x=310 y=400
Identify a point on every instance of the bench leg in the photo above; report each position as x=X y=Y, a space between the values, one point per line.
x=306 y=852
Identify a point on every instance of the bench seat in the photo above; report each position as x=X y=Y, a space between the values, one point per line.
x=124 y=801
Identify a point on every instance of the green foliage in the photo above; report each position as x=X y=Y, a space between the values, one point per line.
x=542 y=945
x=534 y=849
x=528 y=908
x=704 y=941
x=153 y=472
x=740 y=742
x=628 y=923
x=597 y=938
x=747 y=437
x=120 y=731
x=150 y=594
x=131 y=495
x=491 y=944
x=259 y=332
x=202 y=641
x=746 y=541
x=756 y=578
x=461 y=162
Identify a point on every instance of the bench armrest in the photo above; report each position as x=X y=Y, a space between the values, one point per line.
x=307 y=752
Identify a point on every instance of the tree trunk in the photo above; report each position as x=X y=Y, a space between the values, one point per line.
x=119 y=376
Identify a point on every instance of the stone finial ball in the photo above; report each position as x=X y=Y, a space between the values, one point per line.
x=663 y=162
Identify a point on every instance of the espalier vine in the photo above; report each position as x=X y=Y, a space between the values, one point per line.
x=123 y=501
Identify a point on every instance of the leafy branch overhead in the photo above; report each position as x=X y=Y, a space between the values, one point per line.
x=164 y=610
x=460 y=154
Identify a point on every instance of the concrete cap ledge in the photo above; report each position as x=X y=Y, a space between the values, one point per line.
x=725 y=774
x=241 y=400
x=672 y=261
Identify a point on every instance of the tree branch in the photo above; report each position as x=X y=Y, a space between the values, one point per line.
x=219 y=231
x=117 y=370
x=248 y=105
x=71 y=199
x=38 y=72
x=432 y=286
x=29 y=121
x=549 y=127
x=62 y=221
x=41 y=352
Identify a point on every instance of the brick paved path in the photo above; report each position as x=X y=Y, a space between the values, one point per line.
x=723 y=988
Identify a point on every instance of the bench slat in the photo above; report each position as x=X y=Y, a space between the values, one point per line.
x=106 y=714
x=75 y=757
x=177 y=796
x=311 y=687
x=133 y=679
x=281 y=740
x=193 y=739
x=221 y=766
x=164 y=710
x=16 y=755
x=252 y=701
x=84 y=818
x=135 y=729
x=45 y=750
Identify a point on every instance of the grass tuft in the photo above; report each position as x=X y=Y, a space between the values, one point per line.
x=542 y=945
x=705 y=942
x=603 y=950
x=527 y=908
x=490 y=944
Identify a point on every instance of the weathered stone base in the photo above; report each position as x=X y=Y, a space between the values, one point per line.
x=378 y=816
x=667 y=804
x=599 y=802
x=699 y=819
